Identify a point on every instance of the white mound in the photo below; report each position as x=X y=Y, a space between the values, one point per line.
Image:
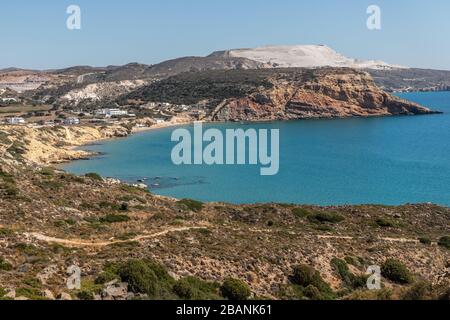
x=306 y=56
x=102 y=90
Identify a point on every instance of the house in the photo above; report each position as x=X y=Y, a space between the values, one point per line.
x=9 y=100
x=15 y=120
x=159 y=120
x=71 y=121
x=111 y=112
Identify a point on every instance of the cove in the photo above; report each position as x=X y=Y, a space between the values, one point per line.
x=387 y=161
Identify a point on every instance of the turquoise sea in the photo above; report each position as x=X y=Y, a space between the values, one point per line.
x=391 y=160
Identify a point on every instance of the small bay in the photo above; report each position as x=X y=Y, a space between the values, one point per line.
x=390 y=161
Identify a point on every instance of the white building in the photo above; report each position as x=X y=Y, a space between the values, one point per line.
x=9 y=100
x=159 y=120
x=15 y=120
x=111 y=112
x=71 y=121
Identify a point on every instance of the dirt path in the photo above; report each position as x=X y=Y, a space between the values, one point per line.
x=81 y=243
x=403 y=240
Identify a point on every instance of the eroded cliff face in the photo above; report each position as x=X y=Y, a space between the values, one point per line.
x=326 y=93
x=52 y=144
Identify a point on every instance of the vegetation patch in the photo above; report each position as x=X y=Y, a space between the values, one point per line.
x=348 y=278
x=192 y=205
x=396 y=271
x=325 y=217
x=305 y=276
x=148 y=277
x=47 y=171
x=114 y=218
x=4 y=265
x=235 y=290
x=444 y=242
x=301 y=213
x=8 y=186
x=31 y=289
x=419 y=291
x=4 y=233
x=193 y=288
x=386 y=223
x=425 y=240
x=94 y=176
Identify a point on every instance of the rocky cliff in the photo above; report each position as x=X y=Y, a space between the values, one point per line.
x=328 y=93
x=52 y=144
x=279 y=94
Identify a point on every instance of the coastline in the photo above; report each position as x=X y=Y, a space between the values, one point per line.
x=90 y=154
x=62 y=144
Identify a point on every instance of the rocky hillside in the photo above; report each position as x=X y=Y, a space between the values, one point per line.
x=52 y=144
x=279 y=94
x=412 y=79
x=131 y=244
x=101 y=91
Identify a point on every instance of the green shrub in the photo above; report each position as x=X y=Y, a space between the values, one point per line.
x=419 y=291
x=31 y=289
x=312 y=293
x=355 y=261
x=349 y=279
x=147 y=277
x=93 y=176
x=341 y=267
x=6 y=177
x=8 y=186
x=4 y=265
x=105 y=277
x=47 y=171
x=29 y=293
x=192 y=288
x=50 y=185
x=425 y=240
x=323 y=217
x=235 y=290
x=5 y=232
x=396 y=271
x=183 y=290
x=304 y=276
x=108 y=205
x=114 y=218
x=370 y=295
x=300 y=213
x=444 y=242
x=139 y=276
x=385 y=223
x=192 y=205
x=85 y=295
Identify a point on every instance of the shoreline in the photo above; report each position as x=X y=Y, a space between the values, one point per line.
x=89 y=155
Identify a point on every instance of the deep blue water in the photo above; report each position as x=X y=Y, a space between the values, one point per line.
x=392 y=160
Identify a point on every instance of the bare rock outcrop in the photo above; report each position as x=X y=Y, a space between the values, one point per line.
x=328 y=93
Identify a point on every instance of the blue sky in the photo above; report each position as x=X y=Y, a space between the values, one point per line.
x=34 y=34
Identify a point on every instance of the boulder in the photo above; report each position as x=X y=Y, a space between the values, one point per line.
x=115 y=291
x=64 y=296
